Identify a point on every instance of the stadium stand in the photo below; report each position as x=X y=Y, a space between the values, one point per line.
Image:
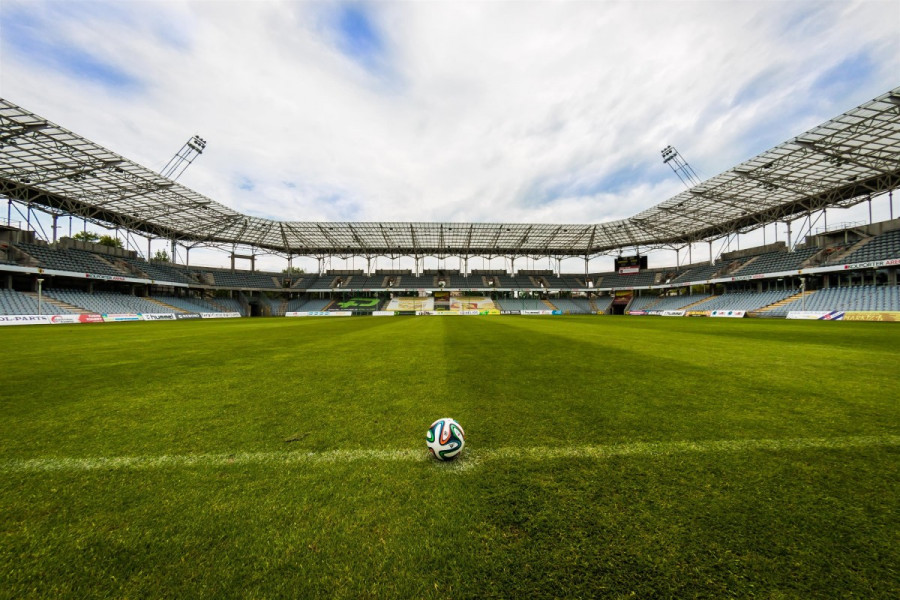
x=324 y=282
x=774 y=262
x=614 y=280
x=276 y=306
x=602 y=303
x=19 y=303
x=308 y=304
x=699 y=273
x=107 y=302
x=574 y=306
x=679 y=302
x=191 y=305
x=245 y=279
x=747 y=301
x=571 y=282
x=506 y=282
x=880 y=247
x=520 y=304
x=643 y=302
x=70 y=259
x=160 y=271
x=857 y=298
x=228 y=305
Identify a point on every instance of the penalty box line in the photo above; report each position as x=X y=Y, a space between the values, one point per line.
x=36 y=465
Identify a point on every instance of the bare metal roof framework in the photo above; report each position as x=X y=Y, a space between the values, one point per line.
x=840 y=163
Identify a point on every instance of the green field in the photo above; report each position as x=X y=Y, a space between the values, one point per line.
x=606 y=457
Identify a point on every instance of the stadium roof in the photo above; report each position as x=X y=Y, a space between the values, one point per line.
x=839 y=163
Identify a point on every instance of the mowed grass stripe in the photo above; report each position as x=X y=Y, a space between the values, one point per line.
x=408 y=455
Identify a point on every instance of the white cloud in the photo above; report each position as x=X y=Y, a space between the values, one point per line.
x=544 y=112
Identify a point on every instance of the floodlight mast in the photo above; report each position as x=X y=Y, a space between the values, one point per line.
x=685 y=173
x=183 y=158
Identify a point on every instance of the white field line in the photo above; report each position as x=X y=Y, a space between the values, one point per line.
x=467 y=460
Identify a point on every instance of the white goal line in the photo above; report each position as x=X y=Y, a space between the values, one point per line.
x=469 y=455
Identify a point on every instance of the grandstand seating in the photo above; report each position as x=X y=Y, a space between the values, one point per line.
x=228 y=305
x=506 y=282
x=856 y=298
x=775 y=262
x=747 y=301
x=643 y=302
x=571 y=282
x=524 y=281
x=106 y=302
x=192 y=305
x=322 y=283
x=246 y=279
x=70 y=259
x=678 y=302
x=520 y=304
x=699 y=272
x=882 y=247
x=161 y=271
x=614 y=280
x=18 y=303
x=275 y=305
x=602 y=303
x=307 y=304
x=575 y=306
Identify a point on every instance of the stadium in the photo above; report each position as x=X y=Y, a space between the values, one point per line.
x=680 y=430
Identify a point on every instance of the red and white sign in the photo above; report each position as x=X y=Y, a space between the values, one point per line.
x=734 y=314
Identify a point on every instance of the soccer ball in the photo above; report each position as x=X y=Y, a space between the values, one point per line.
x=445 y=439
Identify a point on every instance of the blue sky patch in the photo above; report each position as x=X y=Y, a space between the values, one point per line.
x=35 y=41
x=851 y=73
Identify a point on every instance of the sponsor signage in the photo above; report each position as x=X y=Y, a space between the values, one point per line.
x=24 y=319
x=185 y=316
x=91 y=318
x=65 y=319
x=637 y=313
x=734 y=314
x=383 y=313
x=118 y=318
x=320 y=313
x=220 y=315
x=672 y=313
x=158 y=317
x=872 y=316
x=629 y=270
x=510 y=312
x=536 y=312
x=817 y=315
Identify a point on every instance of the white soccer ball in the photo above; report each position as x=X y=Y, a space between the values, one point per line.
x=445 y=439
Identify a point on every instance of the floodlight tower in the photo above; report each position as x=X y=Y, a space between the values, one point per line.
x=183 y=158
x=685 y=173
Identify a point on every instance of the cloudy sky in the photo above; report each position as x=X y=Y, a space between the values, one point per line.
x=445 y=111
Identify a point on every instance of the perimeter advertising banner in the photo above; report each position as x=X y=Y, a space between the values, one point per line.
x=734 y=314
x=872 y=316
x=320 y=313
x=49 y=319
x=816 y=315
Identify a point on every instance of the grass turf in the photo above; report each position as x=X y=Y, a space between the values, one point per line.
x=753 y=521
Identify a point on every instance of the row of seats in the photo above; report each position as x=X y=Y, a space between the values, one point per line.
x=858 y=298
x=17 y=303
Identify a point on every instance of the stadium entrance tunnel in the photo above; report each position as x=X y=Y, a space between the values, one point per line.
x=256 y=309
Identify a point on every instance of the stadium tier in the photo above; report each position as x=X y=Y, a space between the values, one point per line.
x=18 y=303
x=746 y=301
x=858 y=298
x=573 y=306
